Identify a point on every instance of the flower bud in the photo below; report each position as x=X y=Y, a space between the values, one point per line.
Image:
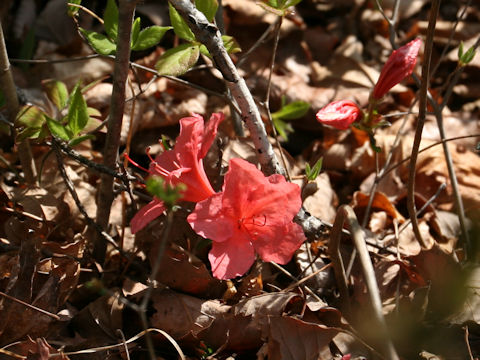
x=339 y=114
x=398 y=66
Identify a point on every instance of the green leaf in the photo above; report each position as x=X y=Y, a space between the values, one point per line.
x=179 y=25
x=77 y=112
x=231 y=45
x=178 y=60
x=57 y=129
x=291 y=3
x=291 y=111
x=79 y=139
x=30 y=117
x=110 y=18
x=99 y=42
x=313 y=172
x=460 y=50
x=207 y=7
x=282 y=127
x=150 y=36
x=135 y=31
x=28 y=133
x=57 y=92
x=468 y=56
x=73 y=10
x=169 y=195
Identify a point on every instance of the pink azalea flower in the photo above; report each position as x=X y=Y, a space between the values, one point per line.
x=183 y=164
x=398 y=66
x=339 y=114
x=253 y=213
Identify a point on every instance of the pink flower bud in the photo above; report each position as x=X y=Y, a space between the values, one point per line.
x=398 y=66
x=339 y=114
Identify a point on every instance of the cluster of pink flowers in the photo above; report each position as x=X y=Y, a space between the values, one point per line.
x=252 y=213
x=400 y=64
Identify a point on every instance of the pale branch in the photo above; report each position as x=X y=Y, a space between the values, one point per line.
x=114 y=125
x=209 y=35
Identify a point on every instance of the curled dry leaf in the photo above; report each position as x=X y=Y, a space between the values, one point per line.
x=38 y=349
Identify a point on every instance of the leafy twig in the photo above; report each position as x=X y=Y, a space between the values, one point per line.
x=114 y=126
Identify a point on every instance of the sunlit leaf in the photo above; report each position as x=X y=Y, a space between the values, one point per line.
x=293 y=110
x=150 y=36
x=57 y=129
x=79 y=139
x=178 y=60
x=231 y=45
x=73 y=10
x=207 y=7
x=179 y=25
x=135 y=31
x=30 y=117
x=99 y=42
x=57 y=92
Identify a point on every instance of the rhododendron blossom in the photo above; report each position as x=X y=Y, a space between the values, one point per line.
x=182 y=165
x=253 y=213
x=398 y=66
x=340 y=114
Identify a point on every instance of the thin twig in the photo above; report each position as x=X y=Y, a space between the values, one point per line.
x=421 y=120
x=114 y=126
x=346 y=214
x=9 y=90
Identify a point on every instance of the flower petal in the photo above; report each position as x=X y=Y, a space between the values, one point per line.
x=232 y=258
x=339 y=114
x=279 y=243
x=207 y=220
x=209 y=133
x=149 y=212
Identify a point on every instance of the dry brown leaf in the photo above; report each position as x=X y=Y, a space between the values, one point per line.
x=181 y=270
x=292 y=339
x=180 y=315
x=380 y=202
x=322 y=203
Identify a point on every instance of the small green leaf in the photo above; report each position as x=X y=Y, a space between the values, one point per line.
x=169 y=195
x=79 y=139
x=110 y=18
x=231 y=45
x=150 y=36
x=57 y=92
x=178 y=60
x=291 y=111
x=99 y=42
x=283 y=128
x=289 y=3
x=460 y=50
x=30 y=117
x=57 y=129
x=135 y=32
x=28 y=133
x=77 y=112
x=207 y=7
x=313 y=172
x=73 y=10
x=179 y=25
x=468 y=56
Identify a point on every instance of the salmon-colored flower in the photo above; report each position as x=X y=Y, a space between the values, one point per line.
x=183 y=164
x=339 y=114
x=398 y=66
x=253 y=213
